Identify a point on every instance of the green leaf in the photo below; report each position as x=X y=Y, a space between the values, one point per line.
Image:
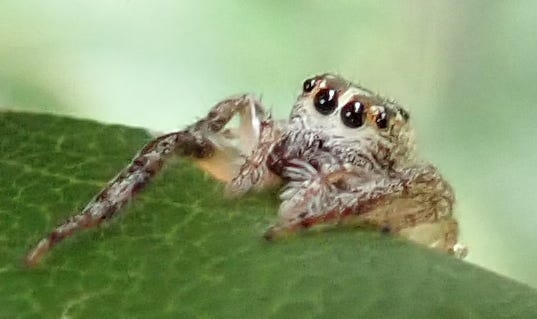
x=181 y=250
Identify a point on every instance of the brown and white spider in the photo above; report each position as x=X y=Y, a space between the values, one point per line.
x=344 y=152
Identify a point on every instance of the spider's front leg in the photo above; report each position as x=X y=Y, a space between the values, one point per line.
x=203 y=140
x=395 y=202
x=254 y=173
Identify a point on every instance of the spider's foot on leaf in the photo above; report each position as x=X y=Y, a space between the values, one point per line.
x=459 y=250
x=277 y=231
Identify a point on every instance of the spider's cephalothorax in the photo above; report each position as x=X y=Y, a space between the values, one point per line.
x=344 y=152
x=349 y=123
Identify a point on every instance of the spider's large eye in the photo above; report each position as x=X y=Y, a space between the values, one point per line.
x=381 y=118
x=325 y=101
x=352 y=114
x=309 y=84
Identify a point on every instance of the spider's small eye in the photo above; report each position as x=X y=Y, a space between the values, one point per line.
x=404 y=114
x=309 y=84
x=352 y=114
x=381 y=118
x=325 y=101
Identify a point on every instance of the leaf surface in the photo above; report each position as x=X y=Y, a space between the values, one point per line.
x=182 y=250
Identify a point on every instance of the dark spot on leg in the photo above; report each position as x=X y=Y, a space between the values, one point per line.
x=102 y=196
x=217 y=124
x=153 y=168
x=136 y=188
x=54 y=237
x=270 y=234
x=212 y=114
x=306 y=223
x=385 y=229
x=110 y=211
x=137 y=163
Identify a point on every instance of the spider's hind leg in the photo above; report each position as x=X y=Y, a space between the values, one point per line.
x=441 y=234
x=203 y=140
x=417 y=199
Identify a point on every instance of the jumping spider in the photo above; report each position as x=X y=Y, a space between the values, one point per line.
x=344 y=152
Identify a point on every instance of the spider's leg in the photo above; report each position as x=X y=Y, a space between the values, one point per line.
x=194 y=142
x=231 y=144
x=417 y=196
x=423 y=212
x=251 y=113
x=441 y=234
x=125 y=185
x=254 y=173
x=240 y=164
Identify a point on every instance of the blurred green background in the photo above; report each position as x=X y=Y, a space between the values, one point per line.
x=465 y=69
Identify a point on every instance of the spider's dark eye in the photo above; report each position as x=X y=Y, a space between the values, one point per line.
x=325 y=101
x=381 y=118
x=352 y=114
x=404 y=114
x=309 y=84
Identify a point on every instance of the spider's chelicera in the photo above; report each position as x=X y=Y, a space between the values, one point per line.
x=343 y=152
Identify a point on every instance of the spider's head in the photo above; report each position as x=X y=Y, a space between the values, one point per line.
x=352 y=114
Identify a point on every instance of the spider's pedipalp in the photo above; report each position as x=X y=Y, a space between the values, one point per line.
x=231 y=144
